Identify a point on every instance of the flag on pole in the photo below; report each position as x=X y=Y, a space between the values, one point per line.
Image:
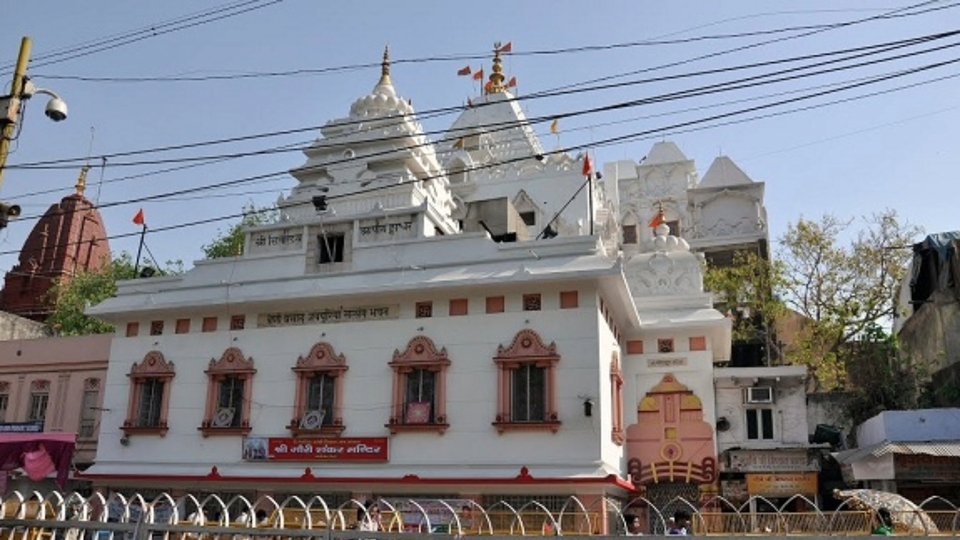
x=464 y=71
x=478 y=75
x=587 y=166
x=139 y=219
x=508 y=48
x=488 y=88
x=657 y=220
x=555 y=127
x=512 y=83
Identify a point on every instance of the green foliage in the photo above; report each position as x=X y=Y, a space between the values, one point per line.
x=71 y=298
x=841 y=291
x=745 y=290
x=845 y=291
x=229 y=243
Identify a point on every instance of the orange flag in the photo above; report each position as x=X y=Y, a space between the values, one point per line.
x=478 y=76
x=139 y=219
x=587 y=166
x=508 y=48
x=512 y=83
x=464 y=71
x=657 y=220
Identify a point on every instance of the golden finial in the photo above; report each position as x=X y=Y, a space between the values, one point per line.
x=495 y=85
x=82 y=181
x=385 y=67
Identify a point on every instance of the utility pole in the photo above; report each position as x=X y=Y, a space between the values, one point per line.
x=12 y=114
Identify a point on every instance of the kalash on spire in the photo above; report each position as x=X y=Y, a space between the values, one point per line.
x=496 y=83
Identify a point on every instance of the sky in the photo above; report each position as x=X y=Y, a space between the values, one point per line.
x=896 y=149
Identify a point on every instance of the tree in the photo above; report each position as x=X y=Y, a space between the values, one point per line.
x=70 y=298
x=881 y=379
x=840 y=291
x=745 y=292
x=230 y=242
x=843 y=291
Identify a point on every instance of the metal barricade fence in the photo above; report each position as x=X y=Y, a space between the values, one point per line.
x=55 y=516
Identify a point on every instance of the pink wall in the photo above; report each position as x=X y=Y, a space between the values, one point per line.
x=71 y=365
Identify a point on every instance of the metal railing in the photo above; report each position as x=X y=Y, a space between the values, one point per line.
x=72 y=516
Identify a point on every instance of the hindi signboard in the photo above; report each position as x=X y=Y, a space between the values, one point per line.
x=329 y=315
x=782 y=485
x=353 y=450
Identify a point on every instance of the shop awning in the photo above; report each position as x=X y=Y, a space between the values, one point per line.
x=39 y=454
x=880 y=449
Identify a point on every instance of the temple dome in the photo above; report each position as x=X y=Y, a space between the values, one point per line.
x=383 y=99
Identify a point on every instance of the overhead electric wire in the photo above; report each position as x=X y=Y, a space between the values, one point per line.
x=604 y=142
x=203 y=18
x=482 y=56
x=725 y=86
x=710 y=89
x=715 y=54
x=863 y=50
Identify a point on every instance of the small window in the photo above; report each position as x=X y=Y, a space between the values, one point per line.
x=237 y=322
x=39 y=398
x=760 y=424
x=531 y=302
x=133 y=329
x=665 y=345
x=149 y=395
x=183 y=326
x=209 y=324
x=4 y=401
x=629 y=234
x=419 y=387
x=156 y=328
x=698 y=343
x=569 y=300
x=674 y=227
x=459 y=306
x=331 y=248
x=526 y=394
x=529 y=218
x=635 y=347
x=495 y=304
x=319 y=393
x=424 y=310
x=89 y=408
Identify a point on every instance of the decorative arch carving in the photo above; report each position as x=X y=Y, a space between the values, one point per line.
x=153 y=364
x=420 y=350
x=321 y=355
x=421 y=358
x=526 y=345
x=321 y=362
x=526 y=356
x=231 y=361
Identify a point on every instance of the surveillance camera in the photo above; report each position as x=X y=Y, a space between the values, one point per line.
x=56 y=109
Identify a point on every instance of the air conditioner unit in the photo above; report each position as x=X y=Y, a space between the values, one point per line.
x=223 y=418
x=760 y=394
x=312 y=419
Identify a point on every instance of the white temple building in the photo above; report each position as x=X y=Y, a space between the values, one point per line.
x=406 y=329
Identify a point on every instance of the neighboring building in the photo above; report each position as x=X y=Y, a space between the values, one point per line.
x=68 y=239
x=55 y=384
x=763 y=435
x=366 y=346
x=927 y=322
x=913 y=453
x=16 y=327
